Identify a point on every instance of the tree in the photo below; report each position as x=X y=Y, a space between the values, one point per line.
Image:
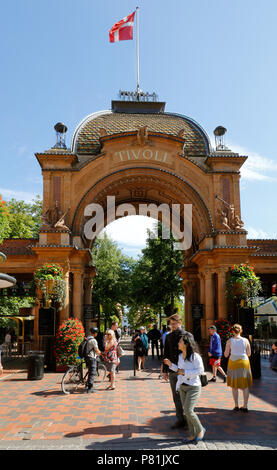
x=155 y=280
x=4 y=219
x=24 y=218
x=111 y=284
x=10 y=305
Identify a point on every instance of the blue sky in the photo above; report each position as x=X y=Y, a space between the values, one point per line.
x=212 y=60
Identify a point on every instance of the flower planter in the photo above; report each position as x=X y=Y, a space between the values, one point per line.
x=50 y=290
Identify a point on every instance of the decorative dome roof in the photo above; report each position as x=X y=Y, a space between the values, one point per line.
x=86 y=141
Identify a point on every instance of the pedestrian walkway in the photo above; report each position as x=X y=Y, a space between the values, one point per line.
x=137 y=415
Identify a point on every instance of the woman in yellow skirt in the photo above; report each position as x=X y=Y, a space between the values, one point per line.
x=239 y=374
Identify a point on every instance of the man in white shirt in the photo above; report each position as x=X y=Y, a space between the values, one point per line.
x=92 y=351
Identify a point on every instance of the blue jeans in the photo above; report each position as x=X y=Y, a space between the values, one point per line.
x=92 y=367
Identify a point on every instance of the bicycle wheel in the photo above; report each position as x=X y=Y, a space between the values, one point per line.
x=71 y=380
x=100 y=375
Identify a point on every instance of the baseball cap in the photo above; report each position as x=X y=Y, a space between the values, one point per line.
x=94 y=329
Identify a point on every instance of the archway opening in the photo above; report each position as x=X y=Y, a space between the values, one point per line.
x=137 y=279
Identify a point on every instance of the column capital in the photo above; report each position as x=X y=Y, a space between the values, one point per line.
x=77 y=271
x=189 y=283
x=207 y=273
x=222 y=271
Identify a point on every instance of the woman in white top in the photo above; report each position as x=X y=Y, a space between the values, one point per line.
x=239 y=372
x=189 y=367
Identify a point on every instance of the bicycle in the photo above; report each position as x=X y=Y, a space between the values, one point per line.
x=77 y=375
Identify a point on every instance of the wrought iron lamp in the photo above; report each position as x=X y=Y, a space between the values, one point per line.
x=5 y=280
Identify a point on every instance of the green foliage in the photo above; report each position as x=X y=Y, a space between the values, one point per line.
x=154 y=280
x=69 y=335
x=242 y=283
x=49 y=271
x=49 y=279
x=111 y=284
x=23 y=220
x=10 y=305
x=4 y=219
x=223 y=329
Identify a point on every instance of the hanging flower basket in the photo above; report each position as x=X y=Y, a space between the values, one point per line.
x=242 y=284
x=50 y=284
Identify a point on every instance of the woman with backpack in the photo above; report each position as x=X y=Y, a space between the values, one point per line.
x=110 y=356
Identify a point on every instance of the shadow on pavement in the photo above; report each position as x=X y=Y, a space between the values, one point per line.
x=220 y=424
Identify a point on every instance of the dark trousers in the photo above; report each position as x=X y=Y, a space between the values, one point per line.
x=92 y=367
x=155 y=344
x=176 y=397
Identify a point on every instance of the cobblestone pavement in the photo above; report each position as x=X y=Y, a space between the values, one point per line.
x=135 y=416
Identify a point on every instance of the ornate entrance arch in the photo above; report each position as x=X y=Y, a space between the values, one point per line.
x=140 y=154
x=145 y=185
x=145 y=156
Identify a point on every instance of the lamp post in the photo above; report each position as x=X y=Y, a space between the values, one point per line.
x=5 y=280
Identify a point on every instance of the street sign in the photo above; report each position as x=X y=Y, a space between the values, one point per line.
x=197 y=311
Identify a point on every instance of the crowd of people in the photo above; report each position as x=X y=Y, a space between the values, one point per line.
x=181 y=365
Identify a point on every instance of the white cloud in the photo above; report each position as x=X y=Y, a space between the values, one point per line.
x=258 y=233
x=19 y=195
x=256 y=167
x=130 y=231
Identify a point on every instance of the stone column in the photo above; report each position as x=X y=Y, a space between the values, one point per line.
x=88 y=282
x=187 y=294
x=201 y=277
x=77 y=294
x=209 y=307
x=222 y=304
x=64 y=314
x=190 y=292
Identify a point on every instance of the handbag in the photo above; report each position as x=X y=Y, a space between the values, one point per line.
x=120 y=351
x=204 y=380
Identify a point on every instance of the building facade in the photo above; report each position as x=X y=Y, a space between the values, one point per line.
x=139 y=154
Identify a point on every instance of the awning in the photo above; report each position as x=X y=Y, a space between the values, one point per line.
x=267 y=308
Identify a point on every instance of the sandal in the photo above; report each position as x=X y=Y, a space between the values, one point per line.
x=244 y=410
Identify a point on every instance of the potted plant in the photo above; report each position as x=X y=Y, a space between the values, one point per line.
x=68 y=337
x=223 y=329
x=242 y=284
x=50 y=284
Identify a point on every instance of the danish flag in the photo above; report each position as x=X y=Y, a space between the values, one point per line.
x=123 y=30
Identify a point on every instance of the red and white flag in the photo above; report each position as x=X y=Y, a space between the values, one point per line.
x=123 y=30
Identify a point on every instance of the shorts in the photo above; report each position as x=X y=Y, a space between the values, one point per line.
x=215 y=361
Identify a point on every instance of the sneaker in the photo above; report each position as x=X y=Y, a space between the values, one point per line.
x=213 y=379
x=225 y=379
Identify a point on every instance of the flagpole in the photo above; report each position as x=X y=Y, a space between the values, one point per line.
x=137 y=41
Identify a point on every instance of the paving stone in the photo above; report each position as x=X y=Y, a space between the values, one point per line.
x=137 y=415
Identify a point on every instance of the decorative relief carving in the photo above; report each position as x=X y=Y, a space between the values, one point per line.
x=102 y=132
x=142 y=136
x=138 y=193
x=227 y=219
x=181 y=134
x=54 y=218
